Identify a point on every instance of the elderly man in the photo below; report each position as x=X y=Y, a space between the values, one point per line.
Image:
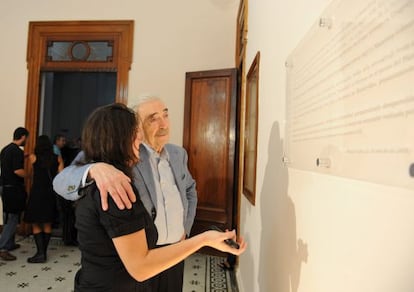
x=162 y=179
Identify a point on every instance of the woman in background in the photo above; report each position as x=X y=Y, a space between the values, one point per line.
x=118 y=247
x=41 y=207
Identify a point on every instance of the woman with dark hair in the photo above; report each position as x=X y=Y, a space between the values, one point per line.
x=41 y=207
x=118 y=247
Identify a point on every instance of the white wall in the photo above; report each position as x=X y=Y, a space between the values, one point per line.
x=311 y=232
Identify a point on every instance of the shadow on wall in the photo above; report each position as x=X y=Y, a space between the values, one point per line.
x=281 y=253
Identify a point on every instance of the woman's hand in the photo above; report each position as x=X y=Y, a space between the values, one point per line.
x=216 y=239
x=113 y=181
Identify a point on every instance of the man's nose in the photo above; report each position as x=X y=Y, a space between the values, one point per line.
x=163 y=123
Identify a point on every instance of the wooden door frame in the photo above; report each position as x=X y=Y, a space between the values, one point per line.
x=117 y=32
x=240 y=62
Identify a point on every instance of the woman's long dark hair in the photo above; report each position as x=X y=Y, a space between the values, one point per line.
x=44 y=151
x=108 y=136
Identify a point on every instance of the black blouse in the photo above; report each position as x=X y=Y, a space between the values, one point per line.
x=102 y=268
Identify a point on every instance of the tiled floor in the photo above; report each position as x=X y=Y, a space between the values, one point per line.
x=202 y=273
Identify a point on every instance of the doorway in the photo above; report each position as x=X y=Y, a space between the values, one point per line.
x=67 y=99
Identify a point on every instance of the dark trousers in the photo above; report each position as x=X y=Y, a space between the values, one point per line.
x=67 y=217
x=170 y=280
x=7 y=238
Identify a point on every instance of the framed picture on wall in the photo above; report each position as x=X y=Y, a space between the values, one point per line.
x=250 y=131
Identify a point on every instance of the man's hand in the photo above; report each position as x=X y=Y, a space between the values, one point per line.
x=113 y=181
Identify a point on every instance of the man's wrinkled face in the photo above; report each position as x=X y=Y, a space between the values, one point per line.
x=155 y=123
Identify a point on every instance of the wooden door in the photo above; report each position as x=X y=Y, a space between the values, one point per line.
x=210 y=138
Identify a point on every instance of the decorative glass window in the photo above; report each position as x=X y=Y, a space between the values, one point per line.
x=75 y=51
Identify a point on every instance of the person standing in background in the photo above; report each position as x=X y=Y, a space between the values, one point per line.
x=58 y=143
x=70 y=150
x=14 y=194
x=41 y=206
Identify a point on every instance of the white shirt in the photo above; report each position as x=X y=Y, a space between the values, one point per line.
x=170 y=212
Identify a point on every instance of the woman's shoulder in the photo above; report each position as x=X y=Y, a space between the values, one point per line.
x=89 y=197
x=92 y=192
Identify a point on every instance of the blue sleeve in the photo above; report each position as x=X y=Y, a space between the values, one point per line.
x=68 y=181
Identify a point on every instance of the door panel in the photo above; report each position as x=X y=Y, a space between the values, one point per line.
x=210 y=139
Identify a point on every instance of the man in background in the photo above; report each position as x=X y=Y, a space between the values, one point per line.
x=14 y=193
x=58 y=143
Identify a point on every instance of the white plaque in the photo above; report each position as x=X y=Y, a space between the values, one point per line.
x=350 y=93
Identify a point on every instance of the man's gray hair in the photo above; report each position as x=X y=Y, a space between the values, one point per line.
x=144 y=99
